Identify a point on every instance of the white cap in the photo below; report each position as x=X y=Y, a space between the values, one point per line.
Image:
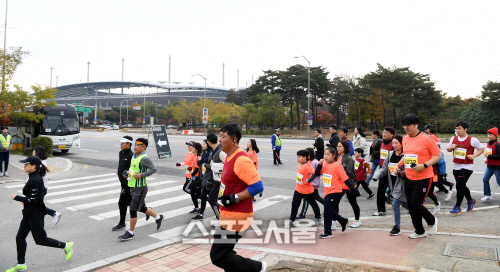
x=125 y=140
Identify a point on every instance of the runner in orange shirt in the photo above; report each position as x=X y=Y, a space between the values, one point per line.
x=187 y=161
x=195 y=176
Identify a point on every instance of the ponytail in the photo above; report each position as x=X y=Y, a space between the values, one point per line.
x=42 y=169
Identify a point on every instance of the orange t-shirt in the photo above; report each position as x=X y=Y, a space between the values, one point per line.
x=333 y=176
x=253 y=156
x=194 y=164
x=304 y=172
x=435 y=138
x=187 y=163
x=419 y=150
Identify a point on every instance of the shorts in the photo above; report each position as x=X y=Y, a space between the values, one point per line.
x=138 y=196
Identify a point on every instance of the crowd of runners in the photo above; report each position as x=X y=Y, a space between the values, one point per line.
x=220 y=172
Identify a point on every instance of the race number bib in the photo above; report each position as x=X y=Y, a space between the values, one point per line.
x=410 y=159
x=488 y=151
x=186 y=168
x=392 y=166
x=356 y=165
x=327 y=180
x=460 y=153
x=221 y=189
x=298 y=179
x=203 y=170
x=383 y=154
x=131 y=173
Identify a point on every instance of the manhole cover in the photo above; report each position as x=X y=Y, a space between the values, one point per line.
x=471 y=252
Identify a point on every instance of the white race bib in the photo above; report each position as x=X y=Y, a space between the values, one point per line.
x=383 y=154
x=221 y=189
x=327 y=180
x=298 y=179
x=410 y=159
x=392 y=166
x=489 y=151
x=356 y=165
x=460 y=153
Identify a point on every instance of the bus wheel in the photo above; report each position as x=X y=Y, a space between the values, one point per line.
x=65 y=150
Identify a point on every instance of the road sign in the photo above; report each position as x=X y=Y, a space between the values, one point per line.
x=161 y=142
x=86 y=114
x=83 y=109
x=77 y=104
x=152 y=121
x=149 y=116
x=310 y=122
x=95 y=119
x=310 y=117
x=205 y=112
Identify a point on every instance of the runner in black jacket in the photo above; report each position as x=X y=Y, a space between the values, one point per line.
x=334 y=139
x=125 y=156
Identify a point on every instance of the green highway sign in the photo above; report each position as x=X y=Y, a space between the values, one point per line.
x=77 y=104
x=86 y=114
x=83 y=109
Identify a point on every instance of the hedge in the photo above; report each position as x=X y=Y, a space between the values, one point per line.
x=43 y=141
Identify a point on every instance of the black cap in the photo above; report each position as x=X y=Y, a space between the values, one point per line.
x=190 y=143
x=428 y=126
x=33 y=160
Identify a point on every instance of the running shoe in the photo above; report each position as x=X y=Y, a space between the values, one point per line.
x=471 y=204
x=448 y=196
x=119 y=227
x=198 y=217
x=379 y=214
x=356 y=224
x=334 y=225
x=451 y=185
x=325 y=235
x=371 y=196
x=56 y=218
x=414 y=235
x=68 y=250
x=437 y=208
x=126 y=236
x=456 y=210
x=264 y=267
x=300 y=216
x=317 y=221
x=158 y=222
x=395 y=231
x=486 y=198
x=292 y=224
x=344 y=226
x=5 y=174
x=434 y=228
x=1 y=174
x=214 y=223
x=17 y=268
x=195 y=210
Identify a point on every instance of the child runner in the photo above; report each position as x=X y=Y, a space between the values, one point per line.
x=492 y=161
x=383 y=183
x=195 y=175
x=315 y=183
x=187 y=161
x=463 y=147
x=333 y=177
x=40 y=152
x=205 y=158
x=360 y=166
x=34 y=211
x=348 y=165
x=304 y=189
x=375 y=153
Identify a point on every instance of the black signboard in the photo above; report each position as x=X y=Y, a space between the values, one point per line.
x=161 y=142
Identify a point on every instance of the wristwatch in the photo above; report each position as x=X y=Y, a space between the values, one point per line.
x=425 y=165
x=236 y=198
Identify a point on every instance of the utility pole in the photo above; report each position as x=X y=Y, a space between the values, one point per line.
x=4 y=46
x=123 y=65
x=238 y=78
x=51 y=68
x=88 y=70
x=223 y=74
x=169 y=63
x=57 y=77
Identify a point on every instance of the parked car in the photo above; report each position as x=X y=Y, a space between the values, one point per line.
x=115 y=127
x=172 y=127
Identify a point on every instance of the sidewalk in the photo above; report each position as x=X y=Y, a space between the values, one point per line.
x=57 y=166
x=368 y=248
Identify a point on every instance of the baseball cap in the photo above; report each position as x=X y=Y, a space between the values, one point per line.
x=127 y=139
x=190 y=143
x=34 y=160
x=277 y=130
x=428 y=126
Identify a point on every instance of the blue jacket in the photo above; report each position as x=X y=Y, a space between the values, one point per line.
x=273 y=140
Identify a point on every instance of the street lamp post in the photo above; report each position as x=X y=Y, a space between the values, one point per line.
x=204 y=98
x=51 y=68
x=127 y=110
x=308 y=89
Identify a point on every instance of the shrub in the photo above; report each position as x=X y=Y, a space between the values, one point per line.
x=45 y=142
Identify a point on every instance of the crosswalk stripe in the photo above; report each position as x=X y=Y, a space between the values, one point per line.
x=166 y=215
x=115 y=200
x=95 y=194
x=81 y=183
x=64 y=180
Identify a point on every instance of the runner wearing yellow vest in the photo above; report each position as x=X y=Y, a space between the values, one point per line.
x=5 y=147
x=276 y=143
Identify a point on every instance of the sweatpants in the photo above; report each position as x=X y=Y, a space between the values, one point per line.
x=365 y=186
x=461 y=177
x=305 y=203
x=33 y=222
x=352 y=200
x=297 y=198
x=210 y=194
x=223 y=255
x=124 y=202
x=440 y=186
x=383 y=182
x=330 y=214
x=416 y=191
x=4 y=161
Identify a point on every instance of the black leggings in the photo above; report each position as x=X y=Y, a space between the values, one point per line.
x=383 y=182
x=297 y=198
x=416 y=191
x=461 y=177
x=193 y=194
x=352 y=200
x=440 y=186
x=305 y=204
x=211 y=196
x=33 y=222
x=124 y=202
x=330 y=214
x=431 y=194
x=222 y=253
x=365 y=186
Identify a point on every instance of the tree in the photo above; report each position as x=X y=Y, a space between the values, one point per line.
x=491 y=95
x=10 y=60
x=248 y=115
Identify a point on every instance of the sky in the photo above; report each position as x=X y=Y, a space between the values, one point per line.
x=456 y=42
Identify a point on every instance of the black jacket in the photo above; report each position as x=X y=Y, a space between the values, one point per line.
x=334 y=140
x=319 y=144
x=125 y=157
x=33 y=193
x=375 y=148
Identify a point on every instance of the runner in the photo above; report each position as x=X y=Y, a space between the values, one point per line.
x=124 y=159
x=429 y=129
x=315 y=183
x=359 y=140
x=141 y=167
x=276 y=143
x=304 y=189
x=420 y=152
x=5 y=147
x=319 y=144
x=333 y=177
x=40 y=152
x=492 y=161
x=383 y=182
x=348 y=164
x=463 y=147
x=334 y=138
x=343 y=136
x=34 y=211
x=240 y=181
x=374 y=153
x=360 y=166
x=187 y=161
x=252 y=151
x=196 y=182
x=205 y=158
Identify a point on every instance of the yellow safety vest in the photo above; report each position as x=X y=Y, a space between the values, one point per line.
x=277 y=141
x=5 y=142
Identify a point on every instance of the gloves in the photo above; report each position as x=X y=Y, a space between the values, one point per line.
x=177 y=164
x=194 y=178
x=274 y=148
x=227 y=200
x=190 y=168
x=374 y=179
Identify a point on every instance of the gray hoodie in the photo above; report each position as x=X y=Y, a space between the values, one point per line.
x=398 y=190
x=2 y=149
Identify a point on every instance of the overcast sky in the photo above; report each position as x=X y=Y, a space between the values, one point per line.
x=456 y=42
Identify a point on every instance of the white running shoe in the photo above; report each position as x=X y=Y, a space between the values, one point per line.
x=317 y=222
x=5 y=174
x=214 y=223
x=434 y=228
x=379 y=214
x=486 y=198
x=448 y=196
x=356 y=224
x=414 y=235
x=56 y=218
x=264 y=267
x=437 y=208
x=334 y=224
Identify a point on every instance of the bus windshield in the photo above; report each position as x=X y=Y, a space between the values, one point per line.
x=60 y=123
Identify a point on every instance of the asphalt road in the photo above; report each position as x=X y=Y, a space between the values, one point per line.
x=88 y=194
